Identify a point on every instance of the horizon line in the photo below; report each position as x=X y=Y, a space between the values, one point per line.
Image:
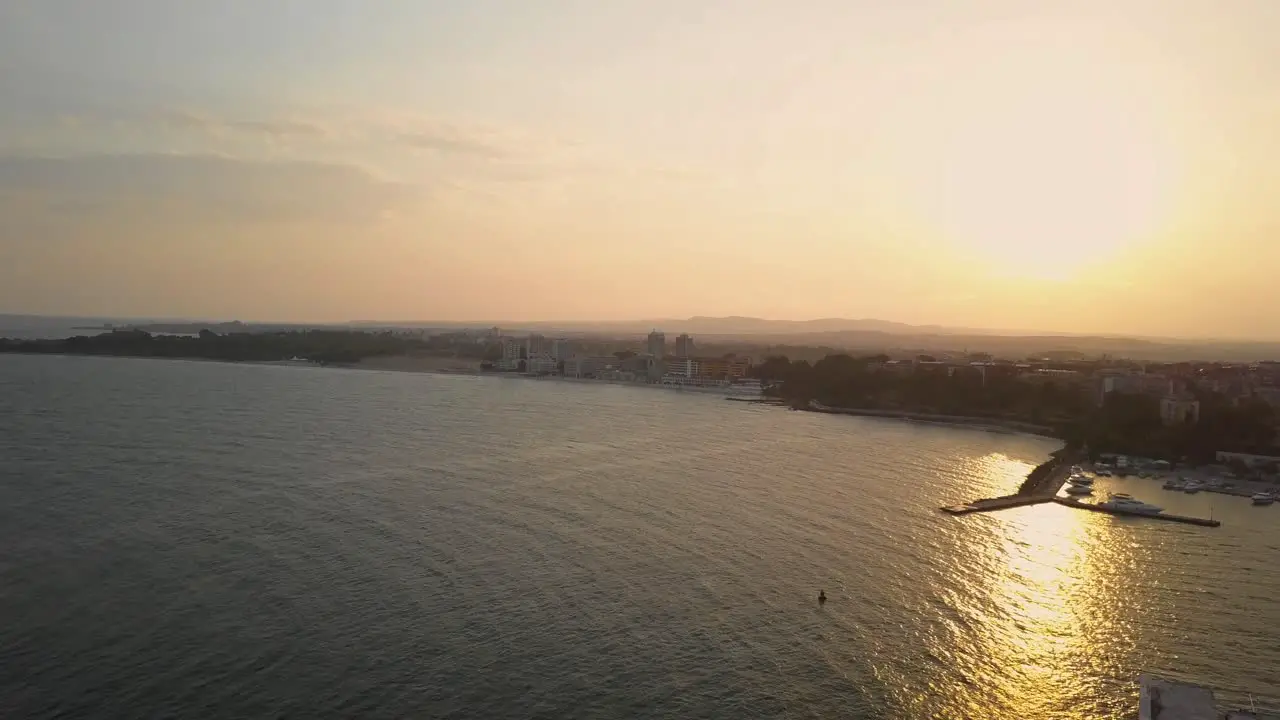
x=929 y=329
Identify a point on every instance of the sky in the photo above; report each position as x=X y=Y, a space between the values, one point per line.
x=1087 y=166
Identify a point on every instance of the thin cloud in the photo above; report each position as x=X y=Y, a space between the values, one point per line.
x=193 y=189
x=455 y=141
x=271 y=128
x=468 y=140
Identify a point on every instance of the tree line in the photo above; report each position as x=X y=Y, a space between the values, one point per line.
x=1117 y=422
x=321 y=346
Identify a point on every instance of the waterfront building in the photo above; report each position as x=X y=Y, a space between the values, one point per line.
x=683 y=367
x=512 y=354
x=657 y=345
x=542 y=364
x=537 y=344
x=684 y=346
x=541 y=354
x=730 y=368
x=637 y=364
x=584 y=366
x=560 y=349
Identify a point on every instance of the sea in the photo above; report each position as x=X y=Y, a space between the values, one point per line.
x=215 y=540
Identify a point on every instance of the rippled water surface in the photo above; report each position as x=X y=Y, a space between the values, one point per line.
x=203 y=539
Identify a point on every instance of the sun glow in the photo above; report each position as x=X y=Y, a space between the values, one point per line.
x=1037 y=173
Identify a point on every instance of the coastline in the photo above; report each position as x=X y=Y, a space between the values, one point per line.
x=1000 y=425
x=451 y=366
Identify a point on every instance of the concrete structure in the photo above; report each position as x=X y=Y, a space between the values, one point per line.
x=723 y=368
x=541 y=365
x=1252 y=461
x=1132 y=382
x=638 y=365
x=684 y=346
x=1179 y=409
x=561 y=349
x=537 y=344
x=1161 y=699
x=716 y=369
x=512 y=353
x=542 y=355
x=657 y=345
x=683 y=367
x=580 y=366
x=1045 y=375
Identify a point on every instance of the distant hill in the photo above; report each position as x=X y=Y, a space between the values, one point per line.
x=883 y=335
x=740 y=325
x=851 y=334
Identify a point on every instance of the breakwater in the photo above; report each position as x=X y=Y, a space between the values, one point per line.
x=1041 y=485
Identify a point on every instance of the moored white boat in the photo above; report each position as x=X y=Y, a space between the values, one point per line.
x=1262 y=498
x=1124 y=502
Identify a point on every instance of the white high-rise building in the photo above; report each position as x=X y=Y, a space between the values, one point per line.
x=540 y=354
x=512 y=349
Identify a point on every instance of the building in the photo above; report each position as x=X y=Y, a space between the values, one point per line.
x=560 y=349
x=583 y=366
x=541 y=365
x=711 y=369
x=1249 y=459
x=684 y=346
x=657 y=345
x=683 y=366
x=1133 y=383
x=1179 y=409
x=512 y=354
x=638 y=365
x=537 y=345
x=540 y=354
x=723 y=368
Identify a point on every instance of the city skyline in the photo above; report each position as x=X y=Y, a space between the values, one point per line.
x=1098 y=168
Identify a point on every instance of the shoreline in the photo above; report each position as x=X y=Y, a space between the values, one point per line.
x=995 y=425
x=1000 y=425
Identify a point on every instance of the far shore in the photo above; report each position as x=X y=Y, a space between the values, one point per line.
x=455 y=366
x=976 y=423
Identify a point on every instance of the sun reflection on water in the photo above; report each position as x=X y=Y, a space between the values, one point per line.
x=1025 y=638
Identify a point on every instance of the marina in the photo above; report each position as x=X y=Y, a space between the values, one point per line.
x=1046 y=481
x=1041 y=486
x=1094 y=507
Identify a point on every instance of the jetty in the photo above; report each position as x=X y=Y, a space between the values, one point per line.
x=1092 y=507
x=1041 y=486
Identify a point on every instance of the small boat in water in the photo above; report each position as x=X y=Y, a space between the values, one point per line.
x=1263 y=499
x=1173 y=484
x=1079 y=490
x=1192 y=488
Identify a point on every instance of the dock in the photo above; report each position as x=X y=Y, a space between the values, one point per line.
x=1000 y=503
x=1043 y=485
x=1185 y=519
